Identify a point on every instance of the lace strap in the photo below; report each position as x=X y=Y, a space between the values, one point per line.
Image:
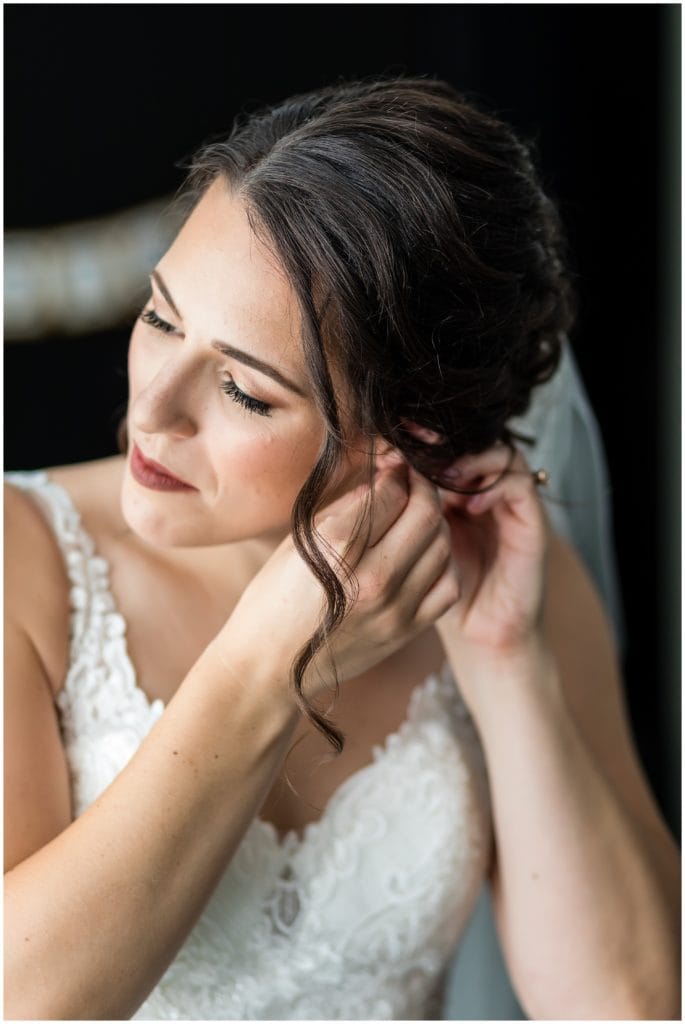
x=84 y=567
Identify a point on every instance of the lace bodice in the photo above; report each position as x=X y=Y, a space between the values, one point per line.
x=356 y=919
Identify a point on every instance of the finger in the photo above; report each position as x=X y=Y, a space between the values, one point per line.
x=514 y=497
x=341 y=523
x=419 y=522
x=426 y=569
x=442 y=595
x=450 y=500
x=476 y=472
x=419 y=518
x=512 y=487
x=391 y=497
x=389 y=562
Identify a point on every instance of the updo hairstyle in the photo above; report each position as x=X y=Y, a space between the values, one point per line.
x=428 y=265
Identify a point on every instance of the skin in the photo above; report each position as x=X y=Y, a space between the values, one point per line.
x=213 y=759
x=247 y=467
x=585 y=935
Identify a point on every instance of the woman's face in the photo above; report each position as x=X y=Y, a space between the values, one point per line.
x=243 y=438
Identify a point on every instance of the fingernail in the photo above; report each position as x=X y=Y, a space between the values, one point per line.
x=452 y=472
x=477 y=501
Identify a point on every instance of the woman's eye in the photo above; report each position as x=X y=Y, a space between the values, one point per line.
x=149 y=316
x=229 y=387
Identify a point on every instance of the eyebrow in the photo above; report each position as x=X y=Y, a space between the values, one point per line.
x=159 y=281
x=258 y=364
x=230 y=350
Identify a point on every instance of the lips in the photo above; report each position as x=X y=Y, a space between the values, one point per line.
x=155 y=476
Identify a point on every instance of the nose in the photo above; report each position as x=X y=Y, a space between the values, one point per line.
x=165 y=405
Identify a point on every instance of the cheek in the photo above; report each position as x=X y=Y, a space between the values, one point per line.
x=261 y=477
x=264 y=474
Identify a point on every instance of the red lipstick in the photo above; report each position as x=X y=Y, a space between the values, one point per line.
x=153 y=475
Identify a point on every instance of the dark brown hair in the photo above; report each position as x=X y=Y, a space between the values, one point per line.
x=428 y=264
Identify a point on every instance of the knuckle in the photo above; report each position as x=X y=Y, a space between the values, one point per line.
x=428 y=518
x=391 y=493
x=391 y=621
x=367 y=596
x=392 y=481
x=333 y=549
x=374 y=590
x=331 y=530
x=443 y=548
x=337 y=519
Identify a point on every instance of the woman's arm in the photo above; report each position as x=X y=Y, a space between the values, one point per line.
x=586 y=876
x=95 y=910
x=93 y=918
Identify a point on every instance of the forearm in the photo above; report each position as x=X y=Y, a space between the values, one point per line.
x=93 y=919
x=585 y=897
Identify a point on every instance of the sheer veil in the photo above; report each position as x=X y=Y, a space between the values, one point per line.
x=568 y=443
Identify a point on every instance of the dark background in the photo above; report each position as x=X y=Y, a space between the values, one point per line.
x=103 y=100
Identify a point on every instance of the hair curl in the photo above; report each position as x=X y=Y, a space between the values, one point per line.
x=428 y=264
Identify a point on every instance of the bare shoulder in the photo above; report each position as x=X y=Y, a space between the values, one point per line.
x=36 y=583
x=37 y=803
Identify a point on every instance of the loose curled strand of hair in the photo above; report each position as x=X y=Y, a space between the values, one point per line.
x=309 y=543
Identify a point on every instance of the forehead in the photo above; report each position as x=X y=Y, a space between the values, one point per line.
x=224 y=280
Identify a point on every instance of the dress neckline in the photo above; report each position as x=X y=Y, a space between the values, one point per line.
x=98 y=574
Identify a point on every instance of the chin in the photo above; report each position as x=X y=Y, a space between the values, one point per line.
x=156 y=521
x=151 y=524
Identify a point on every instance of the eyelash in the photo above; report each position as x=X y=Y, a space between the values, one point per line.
x=149 y=316
x=229 y=387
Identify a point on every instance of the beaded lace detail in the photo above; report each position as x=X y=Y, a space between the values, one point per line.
x=357 y=918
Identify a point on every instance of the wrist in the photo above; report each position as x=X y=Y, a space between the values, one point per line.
x=489 y=678
x=239 y=674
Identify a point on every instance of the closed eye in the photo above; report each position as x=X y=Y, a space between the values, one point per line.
x=230 y=388
x=149 y=316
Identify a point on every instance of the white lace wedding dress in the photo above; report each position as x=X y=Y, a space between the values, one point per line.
x=356 y=919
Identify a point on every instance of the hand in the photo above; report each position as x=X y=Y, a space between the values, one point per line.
x=499 y=542
x=406 y=581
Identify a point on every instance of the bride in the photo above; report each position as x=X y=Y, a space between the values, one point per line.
x=288 y=679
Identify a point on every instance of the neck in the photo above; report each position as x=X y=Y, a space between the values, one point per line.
x=241 y=558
